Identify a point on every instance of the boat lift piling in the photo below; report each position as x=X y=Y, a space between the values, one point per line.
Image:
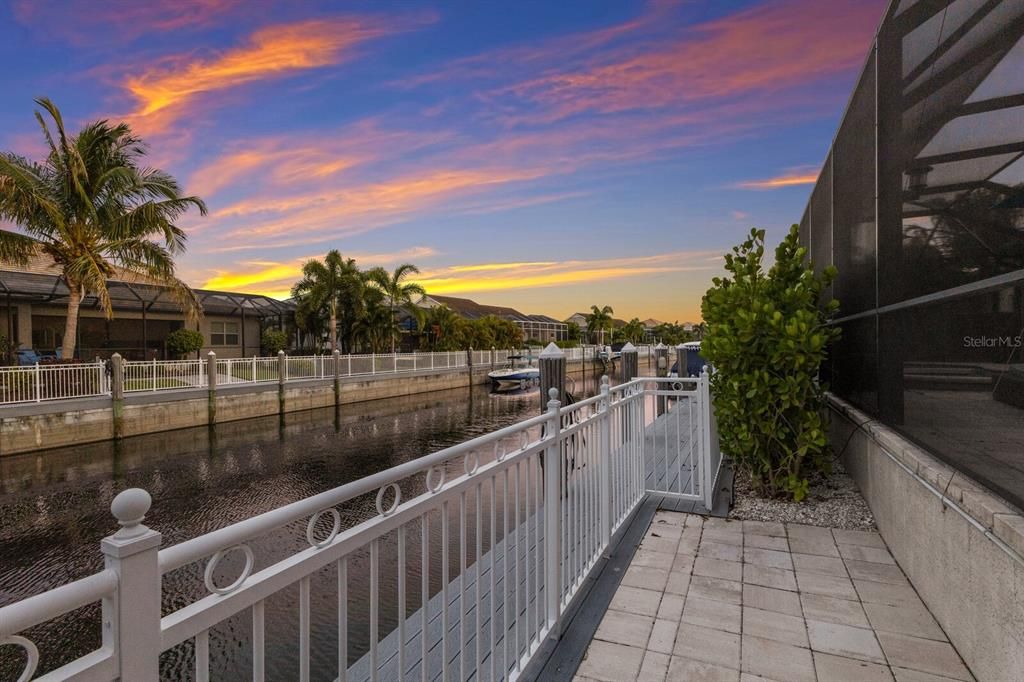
x=551 y=363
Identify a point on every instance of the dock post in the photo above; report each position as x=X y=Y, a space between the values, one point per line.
x=282 y=374
x=552 y=374
x=336 y=356
x=630 y=363
x=492 y=358
x=469 y=364
x=661 y=370
x=117 y=393
x=211 y=387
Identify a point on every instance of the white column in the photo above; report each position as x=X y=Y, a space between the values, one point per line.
x=605 y=453
x=553 y=517
x=131 y=618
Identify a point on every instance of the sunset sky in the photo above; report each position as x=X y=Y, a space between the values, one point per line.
x=543 y=155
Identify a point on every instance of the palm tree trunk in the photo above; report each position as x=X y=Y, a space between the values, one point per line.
x=334 y=331
x=75 y=296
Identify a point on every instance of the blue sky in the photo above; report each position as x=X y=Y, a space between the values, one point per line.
x=547 y=156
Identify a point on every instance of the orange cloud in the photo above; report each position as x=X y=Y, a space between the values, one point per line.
x=362 y=207
x=468 y=279
x=767 y=49
x=164 y=91
x=276 y=279
x=797 y=176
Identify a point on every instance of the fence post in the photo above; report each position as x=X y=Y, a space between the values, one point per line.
x=211 y=386
x=705 y=439
x=282 y=375
x=131 y=618
x=492 y=357
x=336 y=355
x=469 y=364
x=117 y=393
x=39 y=386
x=553 y=468
x=661 y=370
x=373 y=363
x=606 y=463
x=552 y=372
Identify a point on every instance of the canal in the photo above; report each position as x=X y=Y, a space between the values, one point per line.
x=55 y=507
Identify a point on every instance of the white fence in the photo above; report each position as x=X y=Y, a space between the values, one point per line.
x=473 y=553
x=39 y=383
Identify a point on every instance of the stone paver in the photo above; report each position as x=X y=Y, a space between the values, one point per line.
x=712 y=599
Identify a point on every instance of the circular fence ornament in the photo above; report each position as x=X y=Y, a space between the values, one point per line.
x=472 y=455
x=394 y=505
x=435 y=487
x=335 y=527
x=677 y=386
x=499 y=452
x=211 y=566
x=31 y=653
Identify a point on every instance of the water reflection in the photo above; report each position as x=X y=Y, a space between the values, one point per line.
x=55 y=504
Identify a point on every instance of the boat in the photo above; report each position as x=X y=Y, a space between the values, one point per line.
x=517 y=375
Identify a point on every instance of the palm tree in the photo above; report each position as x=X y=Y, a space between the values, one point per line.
x=331 y=285
x=633 y=330
x=91 y=208
x=377 y=327
x=399 y=292
x=599 y=320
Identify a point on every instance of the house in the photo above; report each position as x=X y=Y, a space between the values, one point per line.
x=33 y=311
x=539 y=327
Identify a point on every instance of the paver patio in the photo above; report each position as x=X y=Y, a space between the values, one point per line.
x=713 y=599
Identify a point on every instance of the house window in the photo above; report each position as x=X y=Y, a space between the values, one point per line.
x=224 y=334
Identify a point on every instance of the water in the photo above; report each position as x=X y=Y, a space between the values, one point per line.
x=55 y=507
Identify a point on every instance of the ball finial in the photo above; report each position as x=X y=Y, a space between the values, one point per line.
x=129 y=508
x=553 y=393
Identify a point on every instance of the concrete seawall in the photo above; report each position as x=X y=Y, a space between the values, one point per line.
x=31 y=427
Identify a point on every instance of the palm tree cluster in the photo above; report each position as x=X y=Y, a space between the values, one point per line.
x=358 y=310
x=93 y=208
x=446 y=330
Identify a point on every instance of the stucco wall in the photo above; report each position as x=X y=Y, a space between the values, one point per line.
x=963 y=556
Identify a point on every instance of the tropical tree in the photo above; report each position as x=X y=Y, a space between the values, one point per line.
x=332 y=285
x=599 y=320
x=446 y=330
x=400 y=293
x=573 y=331
x=93 y=208
x=633 y=330
x=378 y=326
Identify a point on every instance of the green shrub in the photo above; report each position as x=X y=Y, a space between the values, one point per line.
x=183 y=341
x=274 y=340
x=766 y=338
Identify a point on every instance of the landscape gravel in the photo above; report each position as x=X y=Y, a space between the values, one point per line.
x=833 y=501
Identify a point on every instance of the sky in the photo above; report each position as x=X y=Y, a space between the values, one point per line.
x=542 y=155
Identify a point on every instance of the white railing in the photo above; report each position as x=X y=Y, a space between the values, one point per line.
x=163 y=375
x=38 y=383
x=458 y=564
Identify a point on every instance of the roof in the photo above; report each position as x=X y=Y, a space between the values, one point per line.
x=471 y=310
x=35 y=287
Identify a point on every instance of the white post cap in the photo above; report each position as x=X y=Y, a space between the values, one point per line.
x=552 y=351
x=660 y=346
x=629 y=348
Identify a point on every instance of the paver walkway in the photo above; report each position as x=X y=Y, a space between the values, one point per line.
x=713 y=599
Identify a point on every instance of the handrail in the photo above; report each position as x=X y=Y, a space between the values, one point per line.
x=186 y=552
x=45 y=606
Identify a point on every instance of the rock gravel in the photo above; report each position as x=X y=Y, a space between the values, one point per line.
x=833 y=501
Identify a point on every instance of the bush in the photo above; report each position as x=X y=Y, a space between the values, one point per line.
x=183 y=341
x=273 y=341
x=766 y=338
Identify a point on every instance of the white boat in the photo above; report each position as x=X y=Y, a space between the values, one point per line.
x=515 y=376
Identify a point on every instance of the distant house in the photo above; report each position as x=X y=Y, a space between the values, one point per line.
x=650 y=324
x=33 y=310
x=539 y=327
x=580 y=319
